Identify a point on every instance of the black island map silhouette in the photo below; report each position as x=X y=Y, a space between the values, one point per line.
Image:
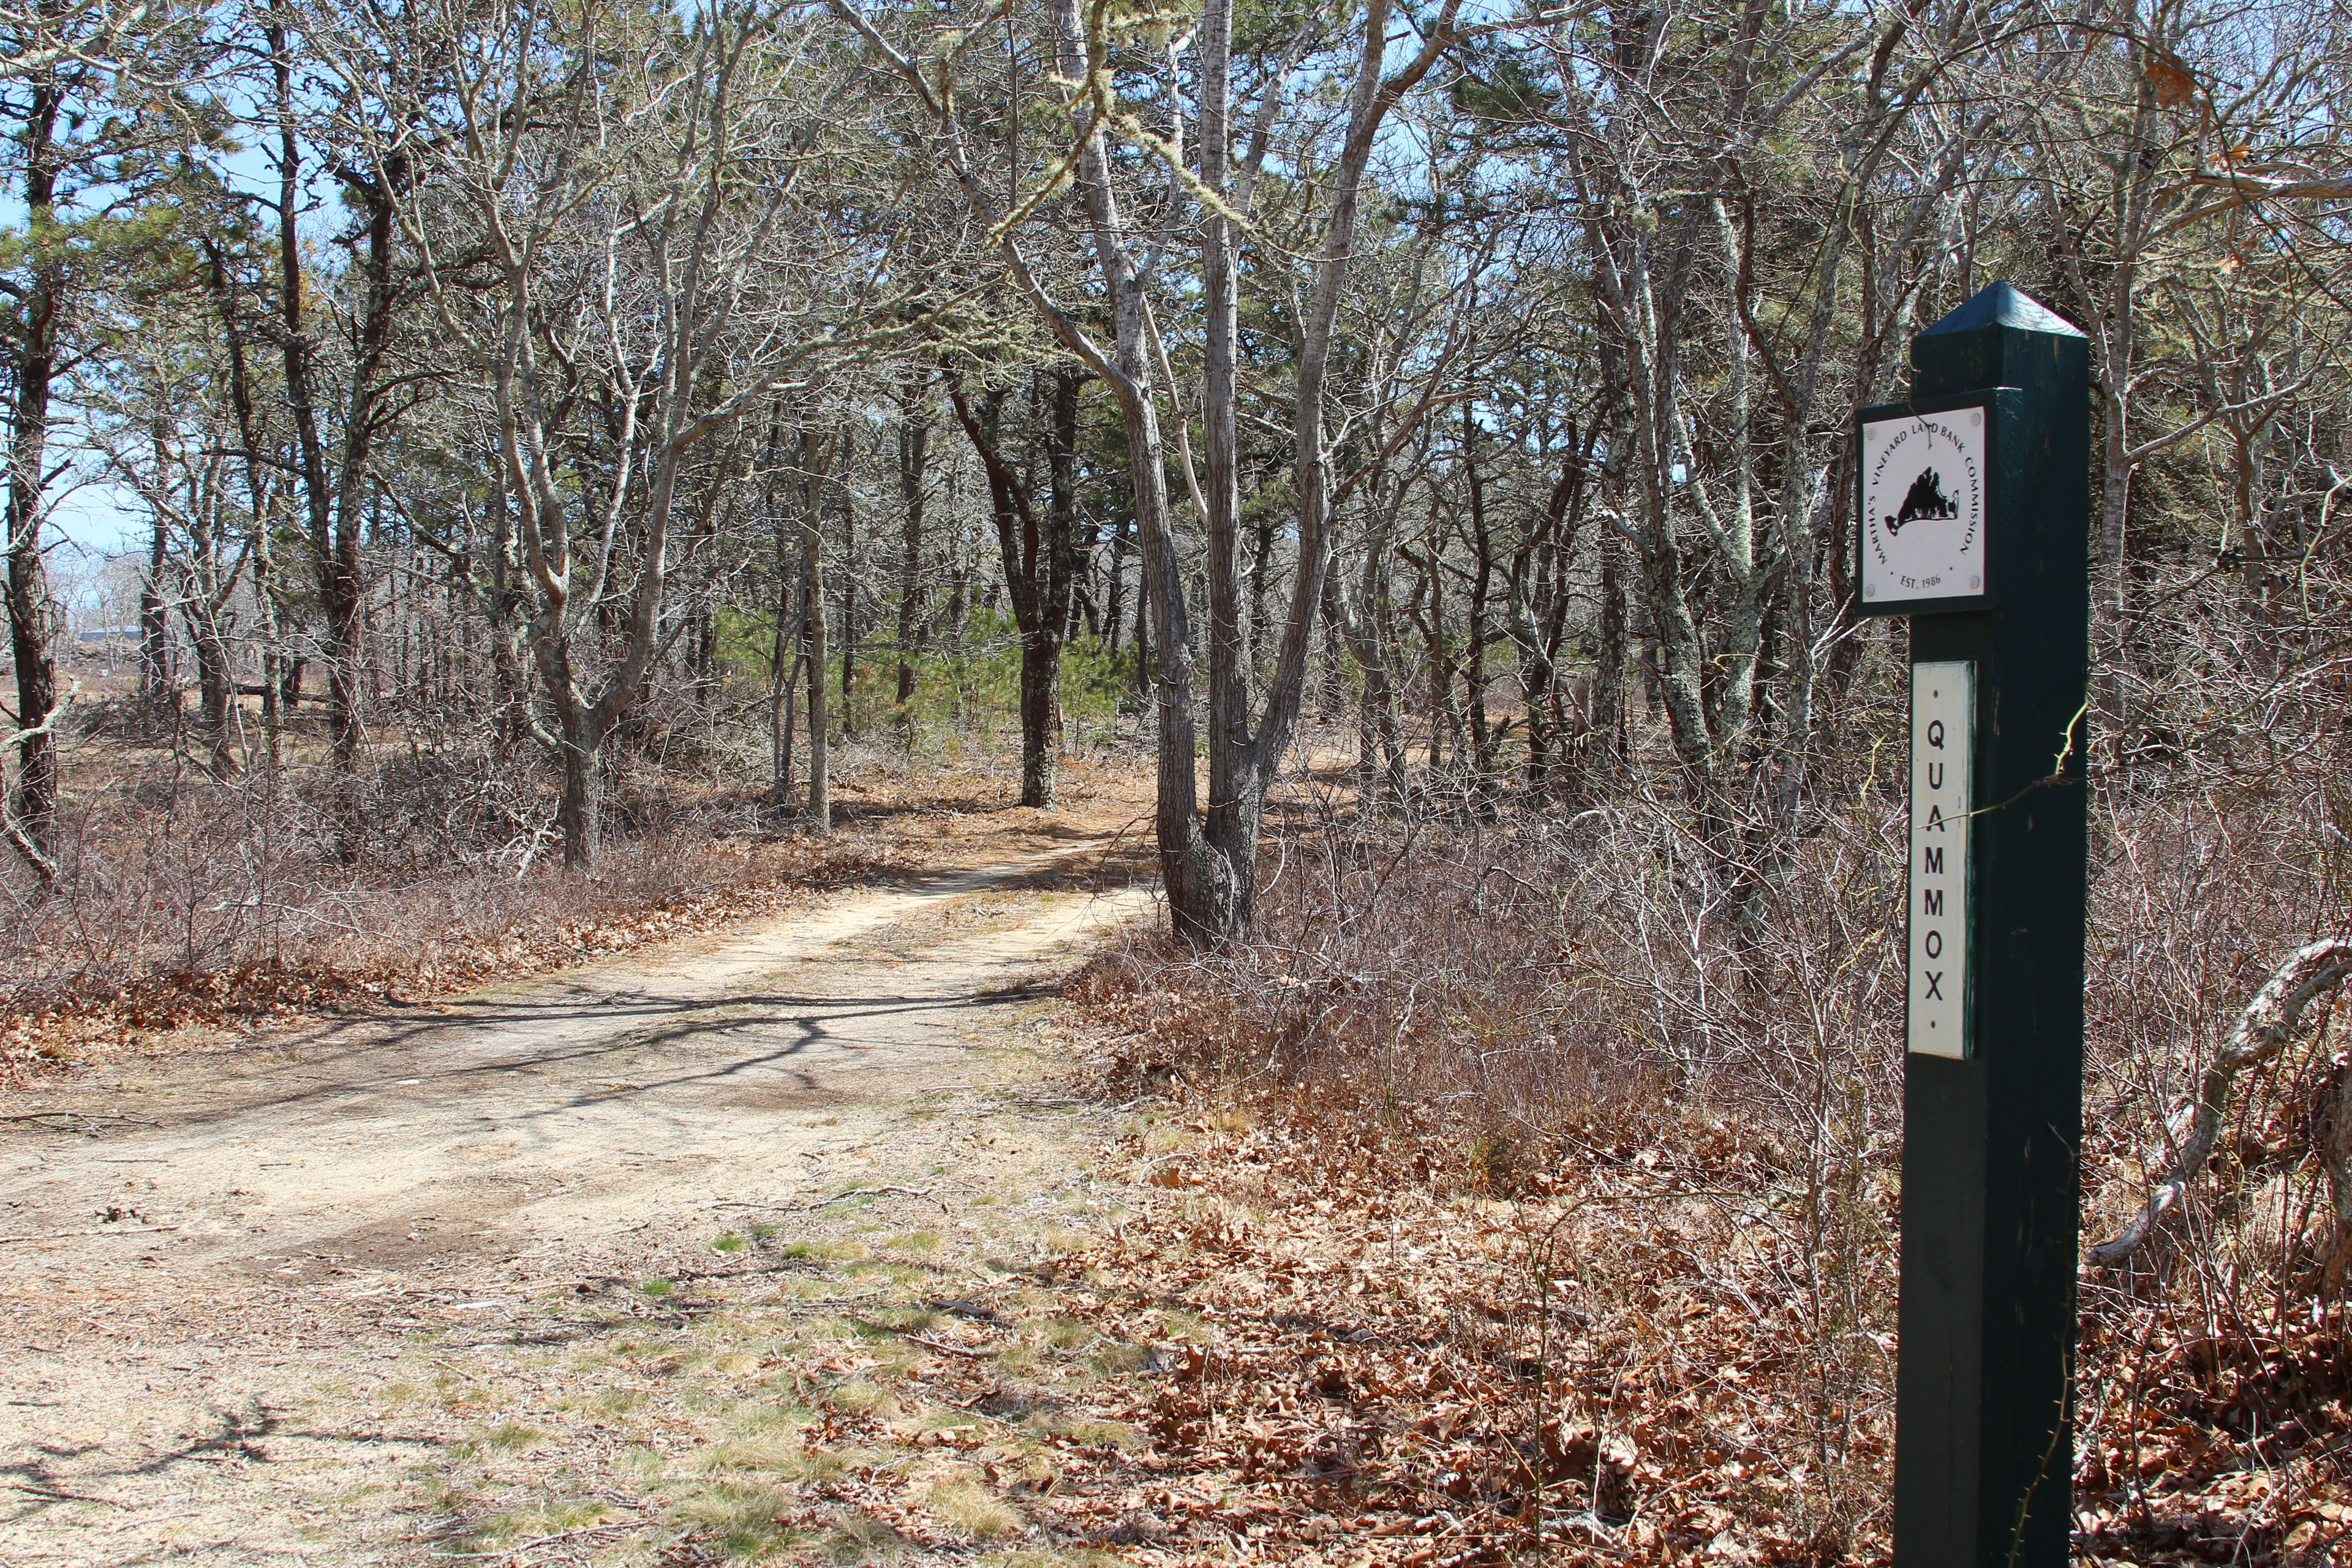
x=1926 y=498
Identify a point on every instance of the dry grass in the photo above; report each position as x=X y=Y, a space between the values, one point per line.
x=1624 y=1145
x=189 y=902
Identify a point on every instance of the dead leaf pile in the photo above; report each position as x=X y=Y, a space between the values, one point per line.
x=1412 y=1372
x=1387 y=1349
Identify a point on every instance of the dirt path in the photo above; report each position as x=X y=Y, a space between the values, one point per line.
x=236 y=1291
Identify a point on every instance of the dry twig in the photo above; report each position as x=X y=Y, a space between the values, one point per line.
x=873 y=1193
x=2268 y=1023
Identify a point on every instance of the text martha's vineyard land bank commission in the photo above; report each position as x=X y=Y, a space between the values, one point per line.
x=1923 y=507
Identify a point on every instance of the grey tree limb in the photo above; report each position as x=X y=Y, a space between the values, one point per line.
x=2265 y=1028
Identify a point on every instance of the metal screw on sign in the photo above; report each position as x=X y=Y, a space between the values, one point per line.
x=1975 y=515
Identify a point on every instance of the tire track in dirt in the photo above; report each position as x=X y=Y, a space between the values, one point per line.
x=197 y=1301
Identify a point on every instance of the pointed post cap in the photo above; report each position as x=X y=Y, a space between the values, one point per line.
x=2003 y=305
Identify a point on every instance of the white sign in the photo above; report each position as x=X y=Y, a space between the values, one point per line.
x=1923 y=507
x=1943 y=727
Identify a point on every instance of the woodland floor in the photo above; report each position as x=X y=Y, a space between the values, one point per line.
x=827 y=1238
x=466 y=1278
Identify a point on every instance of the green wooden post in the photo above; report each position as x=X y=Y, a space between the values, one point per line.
x=1976 y=524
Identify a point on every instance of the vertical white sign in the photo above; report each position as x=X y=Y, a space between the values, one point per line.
x=1943 y=727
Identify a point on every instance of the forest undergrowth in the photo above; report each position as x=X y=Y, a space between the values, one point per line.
x=189 y=902
x=1542 y=1200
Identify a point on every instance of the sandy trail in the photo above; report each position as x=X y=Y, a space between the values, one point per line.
x=196 y=1285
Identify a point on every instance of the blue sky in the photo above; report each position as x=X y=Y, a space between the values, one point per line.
x=102 y=520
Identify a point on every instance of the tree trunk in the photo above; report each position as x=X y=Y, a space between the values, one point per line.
x=1236 y=778
x=705 y=661
x=505 y=612
x=783 y=670
x=264 y=626
x=577 y=813
x=1114 y=586
x=1041 y=700
x=1474 y=651
x=1038 y=557
x=1445 y=737
x=1142 y=641
x=216 y=685
x=345 y=588
x=1537 y=608
x=914 y=462
x=295 y=349
x=335 y=501
x=1261 y=591
x=156 y=690
x=1055 y=603
x=1609 y=718
x=203 y=606
x=1213 y=898
x=816 y=457
x=788 y=720
x=31 y=613
x=853 y=565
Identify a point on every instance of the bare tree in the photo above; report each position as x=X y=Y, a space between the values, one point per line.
x=1208 y=854
x=1037 y=545
x=638 y=240
x=914 y=496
